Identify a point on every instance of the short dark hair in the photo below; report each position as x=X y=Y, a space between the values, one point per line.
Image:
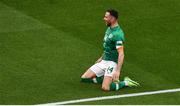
x=113 y=13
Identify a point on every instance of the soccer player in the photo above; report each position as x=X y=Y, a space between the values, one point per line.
x=107 y=68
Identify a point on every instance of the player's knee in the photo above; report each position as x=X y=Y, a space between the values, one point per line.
x=105 y=88
x=85 y=76
x=88 y=74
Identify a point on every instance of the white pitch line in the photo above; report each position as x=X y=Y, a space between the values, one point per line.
x=114 y=97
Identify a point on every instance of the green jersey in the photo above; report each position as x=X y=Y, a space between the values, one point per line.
x=113 y=39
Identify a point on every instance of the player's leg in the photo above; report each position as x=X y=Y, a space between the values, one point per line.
x=108 y=83
x=90 y=77
x=93 y=75
x=88 y=74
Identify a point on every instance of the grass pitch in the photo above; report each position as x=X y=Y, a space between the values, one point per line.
x=45 y=46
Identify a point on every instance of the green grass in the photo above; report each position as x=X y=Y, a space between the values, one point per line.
x=45 y=46
x=159 y=99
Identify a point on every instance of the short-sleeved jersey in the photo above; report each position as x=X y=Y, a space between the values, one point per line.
x=113 y=39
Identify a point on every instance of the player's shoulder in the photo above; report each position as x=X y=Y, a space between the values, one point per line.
x=118 y=34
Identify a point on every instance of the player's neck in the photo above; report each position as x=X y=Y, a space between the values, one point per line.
x=114 y=25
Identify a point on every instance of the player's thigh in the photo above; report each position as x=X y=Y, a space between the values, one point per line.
x=88 y=74
x=106 y=83
x=94 y=70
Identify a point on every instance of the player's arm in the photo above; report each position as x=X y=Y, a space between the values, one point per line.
x=120 y=58
x=120 y=50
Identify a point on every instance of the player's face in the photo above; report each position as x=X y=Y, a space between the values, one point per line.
x=108 y=19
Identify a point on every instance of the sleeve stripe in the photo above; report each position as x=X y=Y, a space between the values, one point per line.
x=118 y=46
x=119 y=42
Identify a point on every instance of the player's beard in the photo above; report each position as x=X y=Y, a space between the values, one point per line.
x=108 y=24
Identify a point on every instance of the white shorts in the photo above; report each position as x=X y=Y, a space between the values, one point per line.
x=105 y=67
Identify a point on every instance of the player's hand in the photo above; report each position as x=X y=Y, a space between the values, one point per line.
x=116 y=75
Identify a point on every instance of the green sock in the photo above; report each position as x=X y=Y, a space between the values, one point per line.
x=87 y=80
x=116 y=86
x=98 y=80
